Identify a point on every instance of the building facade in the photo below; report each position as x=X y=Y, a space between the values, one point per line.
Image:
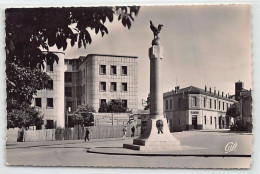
x=194 y=108
x=51 y=102
x=100 y=78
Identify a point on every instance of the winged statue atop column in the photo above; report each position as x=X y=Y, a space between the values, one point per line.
x=155 y=30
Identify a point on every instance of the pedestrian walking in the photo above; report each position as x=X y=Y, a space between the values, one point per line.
x=133 y=131
x=124 y=132
x=87 y=134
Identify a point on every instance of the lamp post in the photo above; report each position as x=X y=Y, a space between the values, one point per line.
x=67 y=117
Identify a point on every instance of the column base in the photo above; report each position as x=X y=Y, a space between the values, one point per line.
x=153 y=138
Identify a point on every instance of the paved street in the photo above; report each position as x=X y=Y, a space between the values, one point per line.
x=74 y=152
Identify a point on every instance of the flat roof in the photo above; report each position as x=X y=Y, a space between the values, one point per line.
x=111 y=55
x=54 y=52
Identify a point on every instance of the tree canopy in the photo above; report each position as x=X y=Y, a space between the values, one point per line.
x=233 y=111
x=82 y=116
x=31 y=30
x=24 y=116
x=114 y=106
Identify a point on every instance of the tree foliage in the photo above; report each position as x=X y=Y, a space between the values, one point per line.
x=233 y=111
x=31 y=30
x=82 y=116
x=25 y=83
x=24 y=115
x=115 y=106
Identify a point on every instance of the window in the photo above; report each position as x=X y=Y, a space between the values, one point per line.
x=124 y=70
x=205 y=120
x=103 y=101
x=223 y=106
x=124 y=102
x=124 y=87
x=102 y=86
x=179 y=103
x=171 y=104
x=204 y=102
x=50 y=84
x=38 y=102
x=50 y=66
x=194 y=101
x=102 y=69
x=210 y=119
x=210 y=103
x=68 y=77
x=83 y=89
x=68 y=91
x=113 y=86
x=50 y=124
x=227 y=105
x=219 y=105
x=166 y=105
x=49 y=102
x=215 y=104
x=113 y=70
x=79 y=76
x=78 y=91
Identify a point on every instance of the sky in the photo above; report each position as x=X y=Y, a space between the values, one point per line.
x=203 y=45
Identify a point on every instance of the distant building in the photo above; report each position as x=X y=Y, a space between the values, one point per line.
x=99 y=78
x=244 y=97
x=194 y=108
x=51 y=102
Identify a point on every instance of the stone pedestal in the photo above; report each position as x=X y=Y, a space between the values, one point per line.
x=156 y=135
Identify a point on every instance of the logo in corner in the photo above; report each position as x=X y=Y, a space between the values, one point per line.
x=230 y=147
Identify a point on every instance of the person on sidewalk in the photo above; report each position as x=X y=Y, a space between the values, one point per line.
x=124 y=132
x=87 y=134
x=133 y=131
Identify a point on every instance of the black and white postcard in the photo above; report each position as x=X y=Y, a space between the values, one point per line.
x=165 y=86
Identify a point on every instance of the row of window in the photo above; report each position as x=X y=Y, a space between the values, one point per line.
x=194 y=103
x=171 y=104
x=103 y=87
x=102 y=71
x=215 y=104
x=205 y=120
x=49 y=104
x=113 y=70
x=113 y=86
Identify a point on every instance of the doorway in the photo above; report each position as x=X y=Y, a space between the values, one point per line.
x=215 y=120
x=194 y=121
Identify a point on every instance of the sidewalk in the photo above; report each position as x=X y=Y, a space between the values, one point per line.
x=14 y=145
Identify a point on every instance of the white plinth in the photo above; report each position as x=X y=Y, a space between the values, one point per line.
x=151 y=140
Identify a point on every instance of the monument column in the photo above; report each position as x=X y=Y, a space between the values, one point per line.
x=155 y=134
x=156 y=93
